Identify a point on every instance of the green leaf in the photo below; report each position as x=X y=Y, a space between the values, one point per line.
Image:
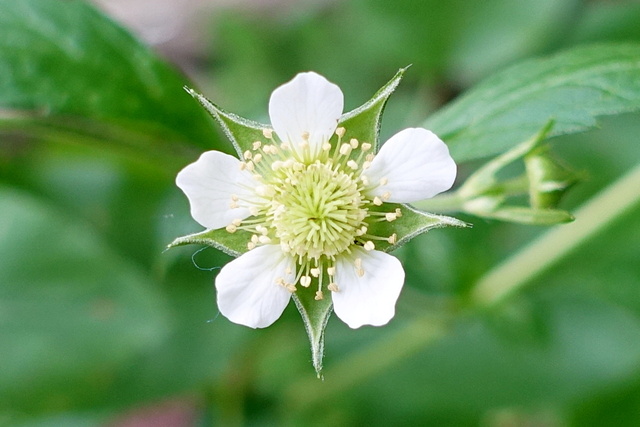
x=72 y=313
x=572 y=88
x=66 y=68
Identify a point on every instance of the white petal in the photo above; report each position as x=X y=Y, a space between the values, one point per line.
x=307 y=104
x=416 y=165
x=369 y=299
x=209 y=184
x=247 y=290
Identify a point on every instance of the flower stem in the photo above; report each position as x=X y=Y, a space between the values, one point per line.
x=550 y=248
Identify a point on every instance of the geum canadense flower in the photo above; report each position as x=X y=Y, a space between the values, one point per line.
x=309 y=199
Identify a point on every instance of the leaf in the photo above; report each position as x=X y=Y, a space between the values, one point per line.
x=72 y=313
x=66 y=68
x=572 y=88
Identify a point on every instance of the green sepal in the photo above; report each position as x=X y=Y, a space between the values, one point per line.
x=240 y=131
x=315 y=315
x=363 y=123
x=412 y=223
x=234 y=244
x=549 y=178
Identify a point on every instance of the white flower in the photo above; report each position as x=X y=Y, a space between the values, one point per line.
x=308 y=198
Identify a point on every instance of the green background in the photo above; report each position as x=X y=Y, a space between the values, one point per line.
x=96 y=320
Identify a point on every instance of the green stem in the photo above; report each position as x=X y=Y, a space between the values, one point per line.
x=504 y=279
x=550 y=248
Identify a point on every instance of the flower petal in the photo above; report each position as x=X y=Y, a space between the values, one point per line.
x=415 y=164
x=248 y=293
x=369 y=299
x=209 y=184
x=307 y=104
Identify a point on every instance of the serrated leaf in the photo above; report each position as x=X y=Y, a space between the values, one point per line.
x=66 y=68
x=572 y=88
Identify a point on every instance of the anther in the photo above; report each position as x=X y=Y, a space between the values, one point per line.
x=345 y=149
x=377 y=201
x=365 y=146
x=391 y=216
x=276 y=165
x=251 y=245
x=364 y=178
x=237 y=222
x=264 y=240
x=398 y=212
x=384 y=181
x=254 y=238
x=331 y=271
x=250 y=165
x=257 y=158
x=369 y=246
x=366 y=164
x=393 y=239
x=247 y=155
x=333 y=287
x=234 y=198
x=315 y=272
x=268 y=133
x=370 y=157
x=242 y=166
x=354 y=143
x=233 y=205
x=326 y=146
x=262 y=230
x=319 y=296
x=340 y=131
x=386 y=195
x=305 y=135
x=291 y=287
x=305 y=281
x=231 y=228
x=352 y=164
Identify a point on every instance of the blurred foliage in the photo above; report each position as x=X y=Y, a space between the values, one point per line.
x=96 y=319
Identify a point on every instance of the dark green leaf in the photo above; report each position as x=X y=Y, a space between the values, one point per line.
x=71 y=311
x=572 y=88
x=68 y=68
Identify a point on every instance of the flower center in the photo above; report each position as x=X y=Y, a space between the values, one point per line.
x=317 y=209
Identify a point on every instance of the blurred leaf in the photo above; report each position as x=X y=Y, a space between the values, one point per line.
x=572 y=88
x=67 y=70
x=71 y=311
